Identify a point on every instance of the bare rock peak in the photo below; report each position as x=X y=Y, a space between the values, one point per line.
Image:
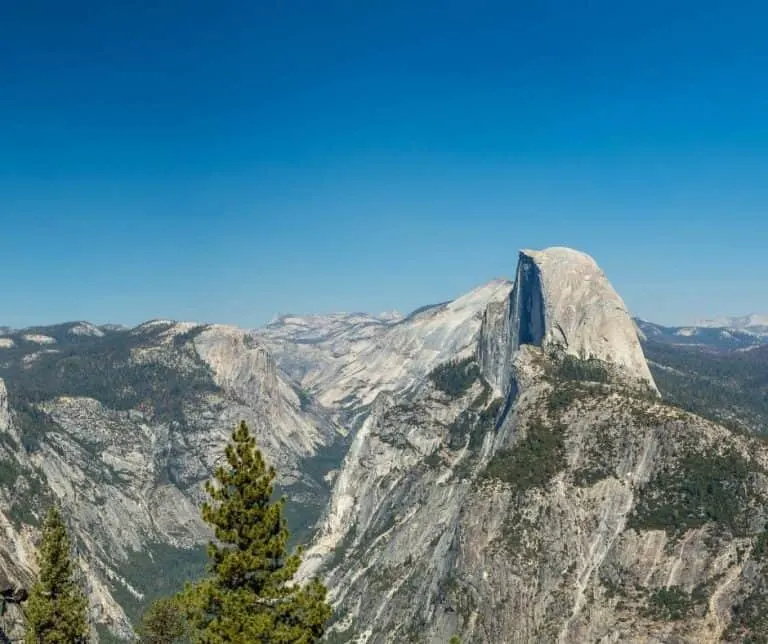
x=558 y=254
x=563 y=298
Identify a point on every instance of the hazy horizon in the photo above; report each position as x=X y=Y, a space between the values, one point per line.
x=227 y=162
x=394 y=309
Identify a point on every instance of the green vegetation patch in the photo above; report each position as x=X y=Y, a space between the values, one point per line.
x=564 y=367
x=27 y=490
x=533 y=461
x=589 y=370
x=433 y=460
x=490 y=415
x=340 y=637
x=727 y=387
x=562 y=397
x=749 y=619
x=588 y=475
x=454 y=378
x=470 y=428
x=33 y=424
x=760 y=550
x=699 y=489
x=106 y=636
x=669 y=604
x=159 y=570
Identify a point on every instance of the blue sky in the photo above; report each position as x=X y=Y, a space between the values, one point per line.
x=225 y=161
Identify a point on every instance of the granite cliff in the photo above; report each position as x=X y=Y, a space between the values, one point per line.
x=345 y=362
x=538 y=489
x=500 y=467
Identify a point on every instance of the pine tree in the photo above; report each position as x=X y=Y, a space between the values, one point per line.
x=250 y=596
x=163 y=623
x=57 y=607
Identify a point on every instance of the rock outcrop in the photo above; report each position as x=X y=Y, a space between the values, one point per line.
x=122 y=429
x=5 y=412
x=561 y=301
x=513 y=475
x=528 y=494
x=347 y=365
x=563 y=298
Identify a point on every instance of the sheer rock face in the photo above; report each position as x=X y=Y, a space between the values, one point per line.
x=519 y=507
x=562 y=299
x=5 y=412
x=498 y=502
x=347 y=365
x=495 y=346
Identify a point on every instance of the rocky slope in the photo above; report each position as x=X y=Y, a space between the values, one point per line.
x=510 y=473
x=346 y=361
x=122 y=428
x=538 y=489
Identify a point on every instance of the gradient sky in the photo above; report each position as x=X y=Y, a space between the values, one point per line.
x=226 y=161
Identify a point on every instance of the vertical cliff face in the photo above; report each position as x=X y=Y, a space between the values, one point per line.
x=528 y=308
x=566 y=300
x=543 y=492
x=346 y=366
x=561 y=299
x=519 y=320
x=494 y=346
x=5 y=412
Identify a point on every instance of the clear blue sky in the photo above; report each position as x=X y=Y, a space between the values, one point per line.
x=225 y=161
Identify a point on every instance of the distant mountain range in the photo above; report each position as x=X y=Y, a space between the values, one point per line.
x=753 y=323
x=523 y=463
x=717 y=338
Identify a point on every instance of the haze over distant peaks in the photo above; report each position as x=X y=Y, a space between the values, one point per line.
x=754 y=323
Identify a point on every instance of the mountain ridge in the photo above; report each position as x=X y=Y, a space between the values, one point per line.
x=123 y=429
x=753 y=322
x=524 y=491
x=464 y=434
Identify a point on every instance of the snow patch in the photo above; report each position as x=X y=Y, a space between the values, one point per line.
x=33 y=357
x=38 y=338
x=152 y=324
x=86 y=329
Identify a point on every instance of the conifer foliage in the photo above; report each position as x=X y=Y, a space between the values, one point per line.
x=57 y=607
x=250 y=595
x=164 y=623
